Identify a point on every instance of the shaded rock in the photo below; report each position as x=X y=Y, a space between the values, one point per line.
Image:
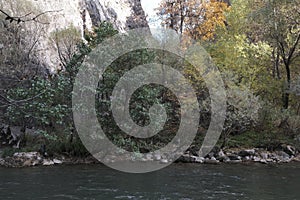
x=233 y=157
x=282 y=157
x=27 y=163
x=211 y=161
x=264 y=161
x=193 y=150
x=283 y=154
x=233 y=161
x=264 y=155
x=289 y=149
x=297 y=158
x=2 y=162
x=186 y=159
x=248 y=152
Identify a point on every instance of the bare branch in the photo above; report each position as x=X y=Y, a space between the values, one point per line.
x=26 y=17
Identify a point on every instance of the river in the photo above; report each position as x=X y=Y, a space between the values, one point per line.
x=178 y=181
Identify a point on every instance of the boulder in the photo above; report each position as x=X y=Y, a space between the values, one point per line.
x=264 y=155
x=281 y=156
x=263 y=161
x=27 y=163
x=233 y=161
x=157 y=157
x=56 y=161
x=289 y=150
x=247 y=152
x=48 y=162
x=211 y=161
x=233 y=157
x=164 y=161
x=187 y=159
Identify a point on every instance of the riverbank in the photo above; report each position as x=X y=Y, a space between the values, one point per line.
x=286 y=154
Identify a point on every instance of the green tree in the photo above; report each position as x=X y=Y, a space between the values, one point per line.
x=279 y=22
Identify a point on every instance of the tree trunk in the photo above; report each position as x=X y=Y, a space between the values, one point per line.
x=286 y=96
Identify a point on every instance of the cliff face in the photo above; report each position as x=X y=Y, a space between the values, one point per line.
x=124 y=14
x=82 y=14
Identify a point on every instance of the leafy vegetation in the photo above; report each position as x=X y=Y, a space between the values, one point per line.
x=255 y=46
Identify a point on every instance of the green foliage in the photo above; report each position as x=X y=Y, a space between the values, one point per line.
x=42 y=103
x=9 y=152
x=46 y=102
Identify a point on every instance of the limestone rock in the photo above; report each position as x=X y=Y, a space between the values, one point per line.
x=83 y=15
x=56 y=161
x=48 y=162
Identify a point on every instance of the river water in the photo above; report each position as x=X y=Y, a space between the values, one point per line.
x=178 y=181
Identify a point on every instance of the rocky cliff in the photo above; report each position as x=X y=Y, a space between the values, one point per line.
x=82 y=14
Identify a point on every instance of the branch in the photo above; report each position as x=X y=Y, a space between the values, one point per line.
x=16 y=102
x=25 y=18
x=293 y=49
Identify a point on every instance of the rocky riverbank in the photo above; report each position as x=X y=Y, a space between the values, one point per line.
x=30 y=159
x=286 y=154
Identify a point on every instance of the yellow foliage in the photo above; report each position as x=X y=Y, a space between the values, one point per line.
x=194 y=18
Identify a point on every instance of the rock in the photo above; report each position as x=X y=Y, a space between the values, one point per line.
x=213 y=158
x=210 y=161
x=248 y=152
x=36 y=162
x=281 y=156
x=233 y=161
x=264 y=155
x=193 y=150
x=256 y=159
x=264 y=161
x=149 y=157
x=233 y=157
x=289 y=150
x=56 y=161
x=48 y=162
x=210 y=155
x=199 y=159
x=221 y=153
x=157 y=157
x=83 y=15
x=221 y=156
x=164 y=161
x=247 y=158
x=27 y=163
x=297 y=158
x=26 y=155
x=187 y=159
x=2 y=162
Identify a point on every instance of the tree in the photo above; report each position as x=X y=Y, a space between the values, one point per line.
x=19 y=42
x=280 y=25
x=197 y=19
x=65 y=41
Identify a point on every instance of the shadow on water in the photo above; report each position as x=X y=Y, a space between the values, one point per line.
x=178 y=181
